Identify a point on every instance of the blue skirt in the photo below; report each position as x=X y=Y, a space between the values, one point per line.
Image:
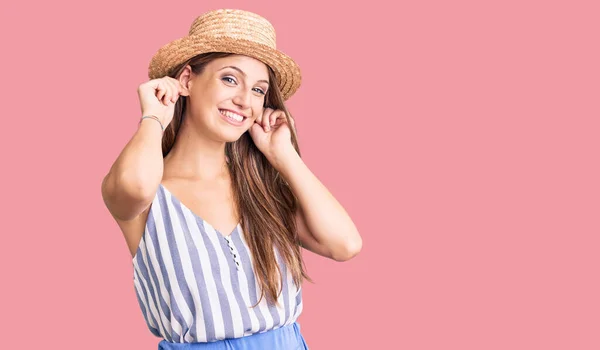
x=283 y=338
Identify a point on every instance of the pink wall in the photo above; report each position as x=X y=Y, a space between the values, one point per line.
x=462 y=138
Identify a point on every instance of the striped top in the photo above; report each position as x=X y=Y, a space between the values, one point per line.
x=194 y=284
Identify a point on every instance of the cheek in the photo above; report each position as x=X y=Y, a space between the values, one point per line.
x=210 y=98
x=259 y=104
x=257 y=112
x=213 y=91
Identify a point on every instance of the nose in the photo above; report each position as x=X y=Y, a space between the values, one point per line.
x=242 y=99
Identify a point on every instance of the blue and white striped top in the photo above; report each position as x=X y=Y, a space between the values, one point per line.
x=194 y=284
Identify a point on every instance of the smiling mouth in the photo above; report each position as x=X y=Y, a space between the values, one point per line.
x=232 y=116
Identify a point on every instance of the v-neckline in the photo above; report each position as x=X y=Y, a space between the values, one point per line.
x=235 y=229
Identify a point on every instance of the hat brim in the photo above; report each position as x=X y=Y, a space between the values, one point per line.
x=174 y=53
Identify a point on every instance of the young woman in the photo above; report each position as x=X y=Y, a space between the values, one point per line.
x=212 y=196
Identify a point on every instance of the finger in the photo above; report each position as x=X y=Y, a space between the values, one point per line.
x=180 y=87
x=168 y=91
x=175 y=95
x=172 y=90
x=275 y=116
x=161 y=91
x=177 y=89
x=266 y=119
x=254 y=129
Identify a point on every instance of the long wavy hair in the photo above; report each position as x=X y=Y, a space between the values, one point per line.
x=262 y=196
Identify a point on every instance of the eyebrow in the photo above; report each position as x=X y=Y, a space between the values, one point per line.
x=242 y=72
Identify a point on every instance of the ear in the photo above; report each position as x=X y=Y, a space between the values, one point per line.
x=186 y=80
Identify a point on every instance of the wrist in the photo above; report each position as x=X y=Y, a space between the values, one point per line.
x=156 y=120
x=283 y=158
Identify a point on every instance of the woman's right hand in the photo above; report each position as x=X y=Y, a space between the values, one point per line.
x=158 y=97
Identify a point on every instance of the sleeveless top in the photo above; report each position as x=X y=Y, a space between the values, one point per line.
x=193 y=284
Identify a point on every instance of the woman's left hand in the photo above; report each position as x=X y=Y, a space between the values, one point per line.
x=271 y=134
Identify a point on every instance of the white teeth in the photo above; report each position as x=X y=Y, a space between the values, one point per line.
x=231 y=115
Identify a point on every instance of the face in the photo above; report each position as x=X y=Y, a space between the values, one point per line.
x=228 y=96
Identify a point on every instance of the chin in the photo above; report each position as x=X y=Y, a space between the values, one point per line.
x=231 y=134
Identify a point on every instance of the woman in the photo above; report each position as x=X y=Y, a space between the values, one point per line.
x=212 y=196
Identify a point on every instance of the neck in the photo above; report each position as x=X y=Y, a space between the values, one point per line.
x=195 y=156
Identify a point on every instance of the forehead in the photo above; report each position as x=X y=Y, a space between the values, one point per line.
x=249 y=65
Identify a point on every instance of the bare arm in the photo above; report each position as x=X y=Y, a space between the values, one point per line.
x=324 y=226
x=130 y=185
x=133 y=179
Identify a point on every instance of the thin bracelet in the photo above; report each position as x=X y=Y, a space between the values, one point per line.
x=155 y=118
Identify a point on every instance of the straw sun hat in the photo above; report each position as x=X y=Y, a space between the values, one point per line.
x=232 y=31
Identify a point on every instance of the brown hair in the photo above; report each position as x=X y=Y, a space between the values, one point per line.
x=262 y=196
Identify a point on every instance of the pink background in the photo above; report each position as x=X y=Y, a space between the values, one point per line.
x=462 y=138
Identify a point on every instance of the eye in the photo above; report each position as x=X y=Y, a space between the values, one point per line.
x=260 y=91
x=229 y=79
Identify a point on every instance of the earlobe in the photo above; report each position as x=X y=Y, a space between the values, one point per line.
x=185 y=86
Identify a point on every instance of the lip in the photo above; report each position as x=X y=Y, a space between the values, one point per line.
x=232 y=122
